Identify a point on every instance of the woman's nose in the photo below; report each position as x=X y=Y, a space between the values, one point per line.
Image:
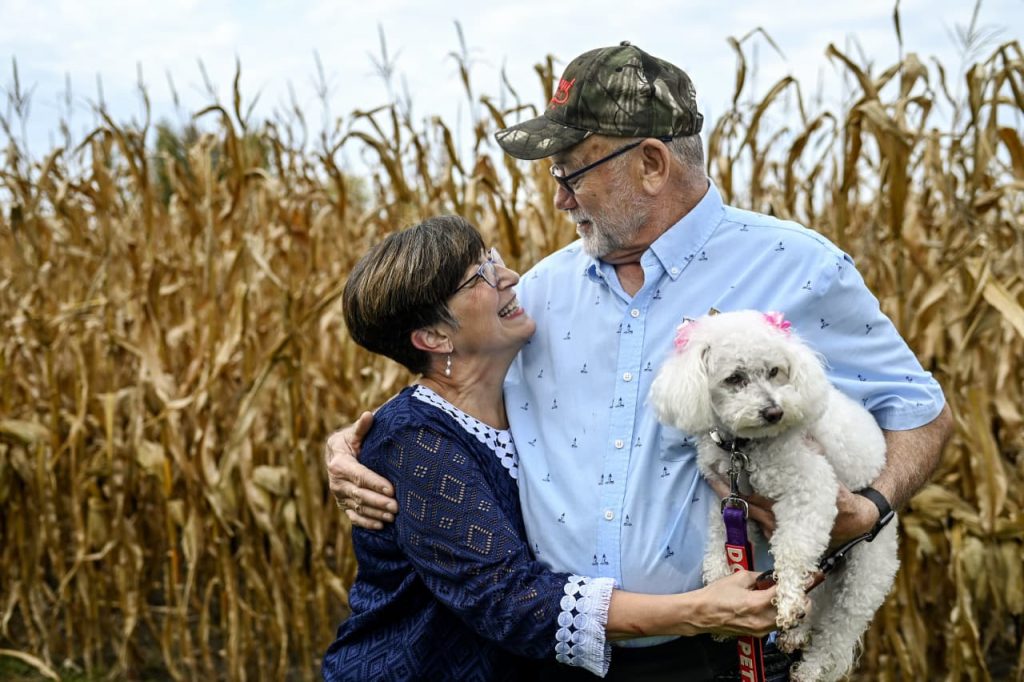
x=507 y=277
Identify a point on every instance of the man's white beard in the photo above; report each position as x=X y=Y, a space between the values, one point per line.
x=620 y=225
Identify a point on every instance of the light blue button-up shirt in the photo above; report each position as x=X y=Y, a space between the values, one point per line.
x=606 y=490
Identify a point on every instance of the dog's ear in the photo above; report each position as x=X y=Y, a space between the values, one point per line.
x=680 y=393
x=807 y=377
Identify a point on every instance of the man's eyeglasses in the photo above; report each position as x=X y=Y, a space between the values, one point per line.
x=486 y=271
x=566 y=181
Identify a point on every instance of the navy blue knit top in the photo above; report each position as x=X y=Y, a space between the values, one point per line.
x=450 y=590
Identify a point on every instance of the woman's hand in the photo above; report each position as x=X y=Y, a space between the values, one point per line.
x=732 y=606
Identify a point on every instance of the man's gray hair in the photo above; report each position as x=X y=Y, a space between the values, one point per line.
x=689 y=151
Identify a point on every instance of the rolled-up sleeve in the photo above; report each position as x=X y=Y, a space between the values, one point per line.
x=866 y=357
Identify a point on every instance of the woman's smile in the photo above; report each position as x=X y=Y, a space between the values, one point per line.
x=511 y=310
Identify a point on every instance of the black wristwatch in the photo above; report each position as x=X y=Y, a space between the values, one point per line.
x=885 y=512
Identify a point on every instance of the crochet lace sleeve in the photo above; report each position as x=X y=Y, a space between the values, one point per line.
x=471 y=557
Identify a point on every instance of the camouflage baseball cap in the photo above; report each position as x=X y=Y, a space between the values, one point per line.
x=620 y=91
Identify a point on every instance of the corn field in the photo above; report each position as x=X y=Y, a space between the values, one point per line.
x=173 y=357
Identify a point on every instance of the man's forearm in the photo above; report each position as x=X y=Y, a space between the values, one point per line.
x=912 y=457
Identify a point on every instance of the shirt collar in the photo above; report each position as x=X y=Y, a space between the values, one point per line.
x=680 y=244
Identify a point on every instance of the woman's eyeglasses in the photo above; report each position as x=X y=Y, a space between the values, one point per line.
x=486 y=271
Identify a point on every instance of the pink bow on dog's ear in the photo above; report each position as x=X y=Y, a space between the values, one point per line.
x=775 y=319
x=683 y=332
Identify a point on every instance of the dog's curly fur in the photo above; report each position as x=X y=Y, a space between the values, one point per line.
x=751 y=379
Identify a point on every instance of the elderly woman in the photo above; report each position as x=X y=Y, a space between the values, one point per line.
x=450 y=590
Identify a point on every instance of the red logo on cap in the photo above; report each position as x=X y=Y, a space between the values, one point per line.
x=561 y=95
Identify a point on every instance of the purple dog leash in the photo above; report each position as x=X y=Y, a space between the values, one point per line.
x=740 y=555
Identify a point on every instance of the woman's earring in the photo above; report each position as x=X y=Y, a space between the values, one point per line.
x=448 y=366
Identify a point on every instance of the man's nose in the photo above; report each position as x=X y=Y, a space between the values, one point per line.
x=564 y=199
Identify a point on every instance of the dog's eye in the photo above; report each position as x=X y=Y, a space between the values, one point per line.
x=734 y=379
x=772 y=372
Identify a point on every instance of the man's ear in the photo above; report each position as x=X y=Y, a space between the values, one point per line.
x=657 y=160
x=431 y=340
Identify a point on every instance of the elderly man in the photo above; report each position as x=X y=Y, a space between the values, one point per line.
x=605 y=489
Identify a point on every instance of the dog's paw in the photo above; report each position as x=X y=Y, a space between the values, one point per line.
x=793 y=640
x=791 y=612
x=789 y=621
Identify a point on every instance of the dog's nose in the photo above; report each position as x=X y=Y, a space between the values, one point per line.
x=772 y=414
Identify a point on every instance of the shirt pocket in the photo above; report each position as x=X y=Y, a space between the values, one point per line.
x=676 y=446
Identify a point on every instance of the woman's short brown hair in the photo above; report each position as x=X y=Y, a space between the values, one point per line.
x=403 y=284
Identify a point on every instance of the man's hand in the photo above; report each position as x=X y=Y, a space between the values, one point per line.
x=910 y=460
x=367 y=498
x=857 y=516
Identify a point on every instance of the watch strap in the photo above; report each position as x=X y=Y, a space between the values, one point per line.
x=885 y=512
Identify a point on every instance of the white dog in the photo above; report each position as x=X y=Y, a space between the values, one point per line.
x=745 y=376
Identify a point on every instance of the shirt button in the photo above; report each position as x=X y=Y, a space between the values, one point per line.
x=609 y=514
x=674 y=271
x=628 y=376
x=634 y=313
x=619 y=444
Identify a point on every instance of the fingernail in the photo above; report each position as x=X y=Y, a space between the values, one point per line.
x=389 y=517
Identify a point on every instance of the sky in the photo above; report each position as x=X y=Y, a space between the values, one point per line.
x=87 y=42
